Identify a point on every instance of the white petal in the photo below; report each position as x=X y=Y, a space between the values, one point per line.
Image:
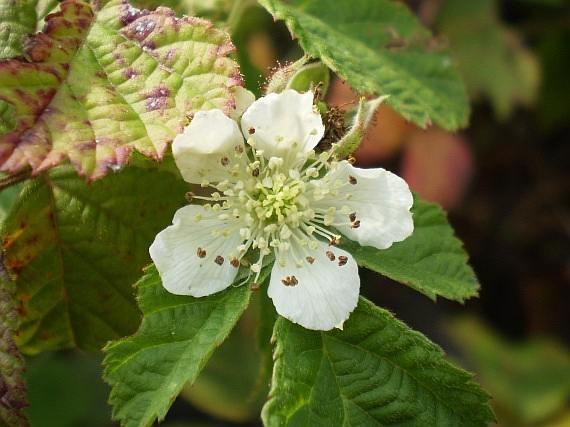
x=207 y=142
x=243 y=99
x=326 y=292
x=380 y=199
x=283 y=123
x=175 y=252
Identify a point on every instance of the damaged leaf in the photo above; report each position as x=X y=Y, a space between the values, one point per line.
x=99 y=84
x=76 y=248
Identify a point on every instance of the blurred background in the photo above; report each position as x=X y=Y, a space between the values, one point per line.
x=504 y=181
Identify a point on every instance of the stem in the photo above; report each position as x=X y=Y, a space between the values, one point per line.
x=10 y=180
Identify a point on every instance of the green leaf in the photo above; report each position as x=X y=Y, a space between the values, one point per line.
x=432 y=260
x=75 y=250
x=7 y=117
x=100 y=84
x=236 y=394
x=17 y=19
x=529 y=380
x=376 y=371
x=379 y=47
x=511 y=72
x=175 y=340
x=12 y=385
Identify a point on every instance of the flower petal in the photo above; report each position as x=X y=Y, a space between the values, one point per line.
x=320 y=294
x=243 y=99
x=205 y=150
x=193 y=256
x=378 y=199
x=283 y=123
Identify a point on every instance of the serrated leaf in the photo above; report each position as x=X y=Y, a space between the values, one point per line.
x=100 y=84
x=376 y=371
x=379 y=47
x=13 y=397
x=17 y=18
x=77 y=248
x=175 y=340
x=510 y=74
x=432 y=260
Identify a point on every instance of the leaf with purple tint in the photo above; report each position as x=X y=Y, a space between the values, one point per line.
x=100 y=83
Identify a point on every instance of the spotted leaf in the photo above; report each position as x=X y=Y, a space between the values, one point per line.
x=99 y=84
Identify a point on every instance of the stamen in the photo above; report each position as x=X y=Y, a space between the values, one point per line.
x=352 y=180
x=330 y=255
x=356 y=224
x=342 y=260
x=310 y=259
x=201 y=253
x=219 y=260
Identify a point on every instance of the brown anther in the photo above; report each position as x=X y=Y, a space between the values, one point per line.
x=239 y=149
x=351 y=160
x=352 y=217
x=342 y=260
x=290 y=281
x=352 y=180
x=355 y=224
x=201 y=253
x=310 y=259
x=224 y=161
x=330 y=255
x=251 y=131
x=219 y=260
x=255 y=172
x=234 y=262
x=189 y=196
x=334 y=241
x=254 y=286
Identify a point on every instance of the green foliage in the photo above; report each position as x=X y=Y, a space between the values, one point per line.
x=12 y=385
x=100 y=84
x=17 y=19
x=529 y=381
x=230 y=393
x=510 y=73
x=379 y=47
x=376 y=371
x=432 y=260
x=177 y=336
x=75 y=249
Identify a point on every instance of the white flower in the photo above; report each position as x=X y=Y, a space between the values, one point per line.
x=274 y=198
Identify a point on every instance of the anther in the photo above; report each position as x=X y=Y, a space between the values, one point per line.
x=351 y=160
x=352 y=180
x=342 y=260
x=224 y=161
x=334 y=240
x=290 y=281
x=234 y=262
x=355 y=224
x=254 y=286
x=189 y=196
x=251 y=131
x=201 y=253
x=219 y=260
x=255 y=172
x=310 y=259
x=239 y=149
x=352 y=217
x=330 y=255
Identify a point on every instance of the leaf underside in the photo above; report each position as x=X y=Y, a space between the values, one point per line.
x=380 y=47
x=97 y=85
x=76 y=248
x=432 y=260
x=176 y=338
x=376 y=372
